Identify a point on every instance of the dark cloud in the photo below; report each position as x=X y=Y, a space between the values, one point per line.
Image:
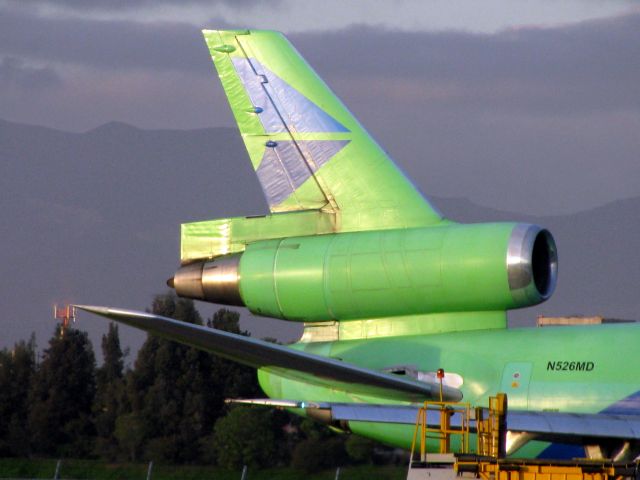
x=589 y=66
x=571 y=69
x=115 y=45
x=83 y=5
x=15 y=74
x=553 y=110
x=538 y=105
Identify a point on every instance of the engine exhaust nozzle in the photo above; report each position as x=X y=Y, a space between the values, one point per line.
x=215 y=281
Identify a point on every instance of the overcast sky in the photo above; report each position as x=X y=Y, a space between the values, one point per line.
x=527 y=106
x=74 y=65
x=290 y=16
x=472 y=90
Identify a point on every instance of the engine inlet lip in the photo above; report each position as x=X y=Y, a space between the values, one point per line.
x=532 y=264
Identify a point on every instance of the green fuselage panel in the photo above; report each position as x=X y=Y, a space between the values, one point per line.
x=565 y=369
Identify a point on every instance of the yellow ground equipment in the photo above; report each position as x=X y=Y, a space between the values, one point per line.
x=508 y=469
x=451 y=424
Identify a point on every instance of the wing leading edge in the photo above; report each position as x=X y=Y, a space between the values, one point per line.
x=323 y=371
x=279 y=359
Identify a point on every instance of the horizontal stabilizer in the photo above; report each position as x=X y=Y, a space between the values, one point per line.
x=281 y=360
x=212 y=238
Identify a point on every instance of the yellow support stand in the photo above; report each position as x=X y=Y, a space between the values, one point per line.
x=441 y=430
x=492 y=430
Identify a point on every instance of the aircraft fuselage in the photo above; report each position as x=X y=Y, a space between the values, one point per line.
x=579 y=369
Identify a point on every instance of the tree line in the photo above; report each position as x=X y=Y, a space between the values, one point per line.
x=168 y=406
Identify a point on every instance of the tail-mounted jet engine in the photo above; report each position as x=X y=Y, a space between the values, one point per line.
x=374 y=274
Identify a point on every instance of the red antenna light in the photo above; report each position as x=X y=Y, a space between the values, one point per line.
x=65 y=315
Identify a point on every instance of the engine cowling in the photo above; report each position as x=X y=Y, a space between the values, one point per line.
x=345 y=276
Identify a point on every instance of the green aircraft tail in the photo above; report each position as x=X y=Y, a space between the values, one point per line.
x=308 y=150
x=349 y=238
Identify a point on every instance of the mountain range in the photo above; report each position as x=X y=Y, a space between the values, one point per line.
x=94 y=218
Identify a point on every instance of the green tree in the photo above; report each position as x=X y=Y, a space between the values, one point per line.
x=61 y=396
x=109 y=393
x=171 y=391
x=307 y=456
x=359 y=449
x=17 y=368
x=238 y=381
x=245 y=436
x=233 y=380
x=315 y=454
x=129 y=432
x=319 y=448
x=227 y=320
